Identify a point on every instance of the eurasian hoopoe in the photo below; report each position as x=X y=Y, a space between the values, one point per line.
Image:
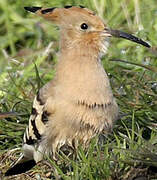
x=78 y=103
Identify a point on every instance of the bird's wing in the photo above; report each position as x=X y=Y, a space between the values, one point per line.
x=33 y=133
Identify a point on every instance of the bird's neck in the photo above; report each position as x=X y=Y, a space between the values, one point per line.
x=73 y=43
x=80 y=72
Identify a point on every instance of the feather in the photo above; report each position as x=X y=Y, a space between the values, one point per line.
x=20 y=168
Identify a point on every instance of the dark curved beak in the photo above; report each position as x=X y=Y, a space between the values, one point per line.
x=121 y=34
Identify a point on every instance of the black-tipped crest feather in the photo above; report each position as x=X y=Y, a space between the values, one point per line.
x=32 y=9
x=67 y=6
x=48 y=10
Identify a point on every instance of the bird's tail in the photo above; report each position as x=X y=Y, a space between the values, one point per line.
x=22 y=165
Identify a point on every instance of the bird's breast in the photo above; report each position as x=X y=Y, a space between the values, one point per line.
x=84 y=82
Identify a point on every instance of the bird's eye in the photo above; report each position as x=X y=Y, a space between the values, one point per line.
x=84 y=26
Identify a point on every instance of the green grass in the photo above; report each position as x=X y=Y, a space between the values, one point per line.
x=28 y=47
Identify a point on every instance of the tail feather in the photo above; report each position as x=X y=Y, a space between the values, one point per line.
x=21 y=168
x=22 y=165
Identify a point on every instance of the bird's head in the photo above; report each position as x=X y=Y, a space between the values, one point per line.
x=81 y=26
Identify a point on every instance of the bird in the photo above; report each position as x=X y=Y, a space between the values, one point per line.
x=78 y=103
